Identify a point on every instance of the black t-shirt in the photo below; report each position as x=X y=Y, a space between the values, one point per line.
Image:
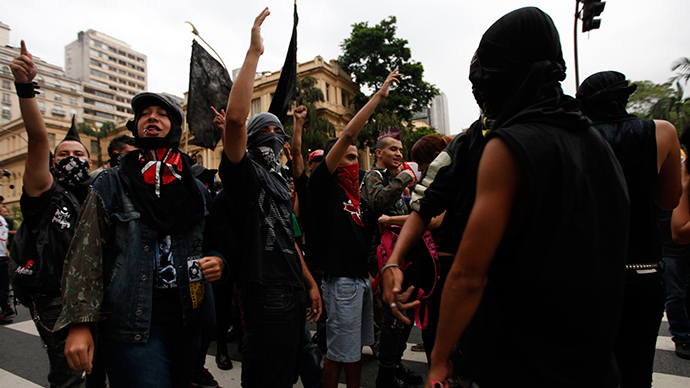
x=263 y=226
x=337 y=239
x=63 y=209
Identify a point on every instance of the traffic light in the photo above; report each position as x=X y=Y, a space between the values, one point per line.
x=591 y=9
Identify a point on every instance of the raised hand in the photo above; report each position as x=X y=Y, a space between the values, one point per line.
x=219 y=119
x=23 y=67
x=392 y=77
x=300 y=114
x=257 y=42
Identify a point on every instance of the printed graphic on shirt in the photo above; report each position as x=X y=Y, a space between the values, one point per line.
x=26 y=270
x=166 y=276
x=354 y=212
x=277 y=223
x=61 y=217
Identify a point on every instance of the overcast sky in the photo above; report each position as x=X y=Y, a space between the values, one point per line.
x=640 y=38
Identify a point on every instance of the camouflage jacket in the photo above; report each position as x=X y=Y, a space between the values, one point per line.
x=109 y=269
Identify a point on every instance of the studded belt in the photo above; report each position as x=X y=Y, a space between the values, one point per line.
x=643 y=266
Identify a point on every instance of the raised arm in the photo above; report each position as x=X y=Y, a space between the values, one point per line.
x=299 y=115
x=355 y=125
x=37 y=176
x=239 y=103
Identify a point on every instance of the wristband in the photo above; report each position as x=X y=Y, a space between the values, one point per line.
x=388 y=266
x=26 y=90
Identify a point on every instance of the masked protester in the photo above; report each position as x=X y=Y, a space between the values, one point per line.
x=341 y=245
x=550 y=215
x=649 y=152
x=138 y=269
x=257 y=203
x=52 y=195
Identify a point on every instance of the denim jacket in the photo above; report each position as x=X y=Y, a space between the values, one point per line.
x=109 y=269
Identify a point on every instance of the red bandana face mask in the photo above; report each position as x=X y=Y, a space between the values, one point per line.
x=160 y=167
x=348 y=179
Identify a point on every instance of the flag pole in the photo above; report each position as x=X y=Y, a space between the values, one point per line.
x=196 y=32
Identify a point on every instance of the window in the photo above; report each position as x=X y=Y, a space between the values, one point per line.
x=73 y=112
x=99 y=74
x=343 y=97
x=58 y=97
x=328 y=92
x=51 y=140
x=6 y=111
x=256 y=106
x=57 y=84
x=5 y=84
x=6 y=98
x=42 y=107
x=94 y=147
x=73 y=100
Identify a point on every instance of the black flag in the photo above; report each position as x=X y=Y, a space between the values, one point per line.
x=209 y=85
x=285 y=91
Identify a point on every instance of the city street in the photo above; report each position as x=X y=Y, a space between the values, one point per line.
x=24 y=364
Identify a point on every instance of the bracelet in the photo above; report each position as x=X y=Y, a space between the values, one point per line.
x=26 y=90
x=388 y=266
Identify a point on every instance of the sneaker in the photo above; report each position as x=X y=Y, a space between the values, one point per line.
x=203 y=379
x=417 y=348
x=683 y=351
x=408 y=375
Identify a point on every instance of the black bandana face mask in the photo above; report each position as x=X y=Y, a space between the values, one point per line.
x=71 y=171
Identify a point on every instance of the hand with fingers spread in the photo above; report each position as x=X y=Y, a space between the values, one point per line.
x=23 y=67
x=219 y=119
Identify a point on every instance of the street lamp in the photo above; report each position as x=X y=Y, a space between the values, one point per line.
x=196 y=32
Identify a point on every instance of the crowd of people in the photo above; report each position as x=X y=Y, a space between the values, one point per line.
x=548 y=208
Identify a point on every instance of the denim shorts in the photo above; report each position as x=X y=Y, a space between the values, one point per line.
x=350 y=323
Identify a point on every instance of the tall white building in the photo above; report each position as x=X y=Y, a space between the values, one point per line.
x=111 y=72
x=436 y=116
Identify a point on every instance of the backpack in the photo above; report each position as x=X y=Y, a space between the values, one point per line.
x=420 y=272
x=35 y=270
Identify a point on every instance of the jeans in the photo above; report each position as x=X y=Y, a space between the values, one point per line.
x=309 y=366
x=45 y=311
x=677 y=279
x=274 y=326
x=643 y=308
x=164 y=361
x=394 y=335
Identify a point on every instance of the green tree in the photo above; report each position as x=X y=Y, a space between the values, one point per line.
x=673 y=108
x=660 y=101
x=99 y=133
x=411 y=137
x=369 y=55
x=317 y=130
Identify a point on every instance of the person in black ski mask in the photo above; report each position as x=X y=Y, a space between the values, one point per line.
x=547 y=232
x=138 y=264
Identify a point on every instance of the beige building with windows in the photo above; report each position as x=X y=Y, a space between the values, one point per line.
x=111 y=72
x=336 y=85
x=338 y=91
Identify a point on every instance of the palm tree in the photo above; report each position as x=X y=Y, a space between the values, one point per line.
x=682 y=66
x=673 y=108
